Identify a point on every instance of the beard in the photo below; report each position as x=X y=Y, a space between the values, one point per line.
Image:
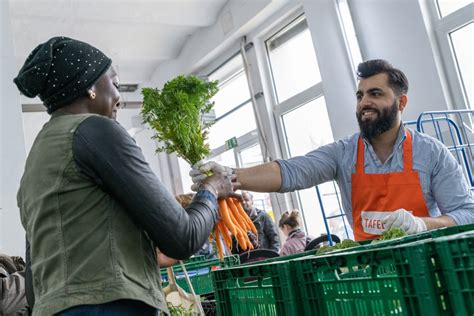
x=384 y=121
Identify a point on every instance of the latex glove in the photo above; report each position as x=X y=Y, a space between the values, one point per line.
x=404 y=220
x=201 y=171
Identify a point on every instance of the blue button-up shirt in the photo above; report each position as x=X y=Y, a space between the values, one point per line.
x=444 y=185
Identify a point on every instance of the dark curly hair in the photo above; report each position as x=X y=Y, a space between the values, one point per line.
x=396 y=78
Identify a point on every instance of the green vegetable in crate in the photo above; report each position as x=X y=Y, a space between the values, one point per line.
x=180 y=310
x=324 y=249
x=174 y=113
x=392 y=233
x=346 y=243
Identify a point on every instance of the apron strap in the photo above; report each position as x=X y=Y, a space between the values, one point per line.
x=360 y=156
x=407 y=154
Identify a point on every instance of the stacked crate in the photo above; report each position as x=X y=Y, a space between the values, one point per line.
x=199 y=271
x=426 y=274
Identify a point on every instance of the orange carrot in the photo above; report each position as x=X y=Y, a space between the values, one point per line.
x=220 y=252
x=235 y=212
x=245 y=216
x=224 y=211
x=234 y=221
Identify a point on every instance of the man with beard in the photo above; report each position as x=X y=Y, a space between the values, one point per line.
x=388 y=175
x=266 y=229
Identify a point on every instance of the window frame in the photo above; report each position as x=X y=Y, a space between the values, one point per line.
x=443 y=27
x=279 y=109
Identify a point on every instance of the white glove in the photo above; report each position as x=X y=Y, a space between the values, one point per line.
x=201 y=171
x=404 y=220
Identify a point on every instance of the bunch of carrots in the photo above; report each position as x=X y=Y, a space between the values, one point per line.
x=174 y=113
x=234 y=222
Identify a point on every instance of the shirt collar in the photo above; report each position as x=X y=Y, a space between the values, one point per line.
x=400 y=136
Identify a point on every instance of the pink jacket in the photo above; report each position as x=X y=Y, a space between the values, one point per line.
x=295 y=243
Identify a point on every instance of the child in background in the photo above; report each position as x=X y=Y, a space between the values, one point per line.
x=296 y=239
x=207 y=250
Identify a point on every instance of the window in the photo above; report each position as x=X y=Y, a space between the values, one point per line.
x=447 y=7
x=233 y=106
x=301 y=115
x=184 y=169
x=301 y=137
x=292 y=60
x=235 y=118
x=461 y=41
x=349 y=32
x=453 y=26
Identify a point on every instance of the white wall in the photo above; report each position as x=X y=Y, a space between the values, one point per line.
x=394 y=30
x=236 y=19
x=12 y=146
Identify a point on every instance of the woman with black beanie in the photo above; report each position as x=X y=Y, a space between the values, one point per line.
x=92 y=208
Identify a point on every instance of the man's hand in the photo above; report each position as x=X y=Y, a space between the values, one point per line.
x=199 y=172
x=404 y=220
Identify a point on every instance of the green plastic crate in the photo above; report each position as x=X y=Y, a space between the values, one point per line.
x=456 y=254
x=398 y=280
x=199 y=272
x=259 y=289
x=196 y=259
x=441 y=232
x=285 y=258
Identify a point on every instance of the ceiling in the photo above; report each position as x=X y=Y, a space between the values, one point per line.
x=137 y=34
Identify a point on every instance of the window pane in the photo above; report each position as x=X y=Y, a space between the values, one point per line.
x=236 y=124
x=184 y=169
x=338 y=227
x=463 y=50
x=228 y=70
x=292 y=59
x=231 y=93
x=449 y=6
x=302 y=137
x=331 y=197
x=299 y=127
x=251 y=156
x=226 y=159
x=311 y=212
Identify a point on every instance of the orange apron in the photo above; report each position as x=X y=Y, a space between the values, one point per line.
x=375 y=195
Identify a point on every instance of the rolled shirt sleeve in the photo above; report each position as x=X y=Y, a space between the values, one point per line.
x=316 y=167
x=449 y=187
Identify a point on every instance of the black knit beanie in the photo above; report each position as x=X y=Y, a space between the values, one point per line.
x=61 y=70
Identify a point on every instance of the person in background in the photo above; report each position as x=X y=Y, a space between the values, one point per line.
x=12 y=286
x=296 y=239
x=207 y=250
x=91 y=206
x=266 y=229
x=389 y=175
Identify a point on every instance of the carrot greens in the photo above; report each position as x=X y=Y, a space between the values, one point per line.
x=174 y=113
